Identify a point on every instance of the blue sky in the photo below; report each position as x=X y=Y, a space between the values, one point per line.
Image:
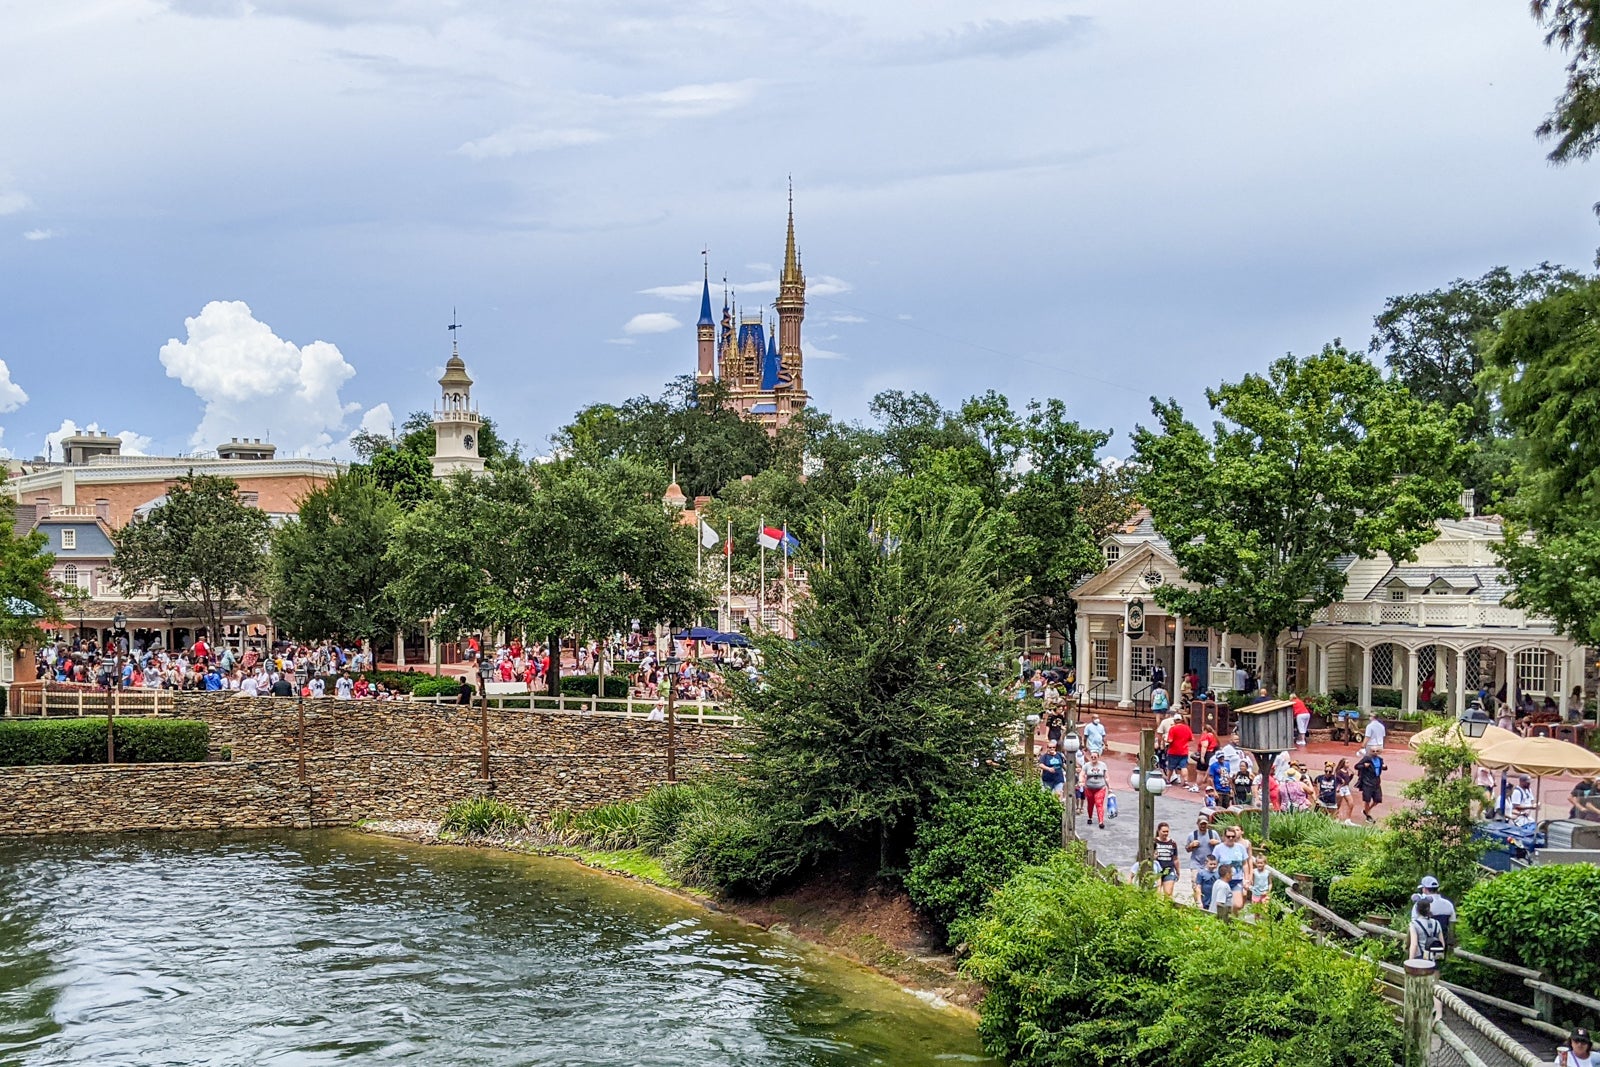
x=253 y=217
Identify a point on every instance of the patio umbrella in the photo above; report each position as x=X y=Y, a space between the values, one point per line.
x=698 y=633
x=733 y=639
x=1540 y=756
x=1492 y=735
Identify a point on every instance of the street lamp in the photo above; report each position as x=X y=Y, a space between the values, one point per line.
x=485 y=672
x=112 y=698
x=1473 y=722
x=1069 y=747
x=670 y=672
x=169 y=611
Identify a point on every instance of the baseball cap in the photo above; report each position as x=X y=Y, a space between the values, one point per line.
x=1580 y=1034
x=1428 y=882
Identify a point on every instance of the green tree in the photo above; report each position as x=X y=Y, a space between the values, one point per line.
x=29 y=597
x=201 y=544
x=1320 y=458
x=1574 y=27
x=330 y=573
x=1433 y=834
x=1543 y=374
x=881 y=703
x=402 y=462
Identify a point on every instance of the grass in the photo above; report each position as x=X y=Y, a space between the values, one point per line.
x=482 y=816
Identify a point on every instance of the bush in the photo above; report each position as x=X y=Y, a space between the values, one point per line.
x=609 y=826
x=1312 y=844
x=437 y=687
x=482 y=815
x=1541 y=917
x=1356 y=895
x=970 y=844
x=588 y=685
x=1080 y=970
x=33 y=742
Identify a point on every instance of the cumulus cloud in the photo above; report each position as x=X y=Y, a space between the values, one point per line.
x=256 y=384
x=812 y=351
x=11 y=395
x=38 y=235
x=519 y=140
x=651 y=322
x=133 y=444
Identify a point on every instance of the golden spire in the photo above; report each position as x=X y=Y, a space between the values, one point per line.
x=791 y=259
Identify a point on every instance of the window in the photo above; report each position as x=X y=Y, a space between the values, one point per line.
x=1383 y=666
x=69 y=540
x=7 y=671
x=1532 y=665
x=1250 y=659
x=1427 y=663
x=102 y=509
x=1397 y=593
x=1291 y=670
x=1113 y=551
x=1100 y=658
x=70 y=575
x=1141 y=659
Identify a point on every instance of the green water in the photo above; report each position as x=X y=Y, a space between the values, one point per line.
x=329 y=946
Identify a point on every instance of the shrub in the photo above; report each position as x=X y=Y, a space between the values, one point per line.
x=482 y=815
x=437 y=687
x=609 y=826
x=1541 y=917
x=1312 y=844
x=30 y=742
x=1356 y=895
x=1080 y=970
x=588 y=685
x=726 y=843
x=971 y=843
x=1387 y=698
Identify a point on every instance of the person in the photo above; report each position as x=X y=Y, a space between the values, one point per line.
x=1439 y=906
x=1578 y=1051
x=1241 y=680
x=1166 y=856
x=1159 y=701
x=1294 y=793
x=1203 y=841
x=1234 y=854
x=1369 y=781
x=1096 y=779
x=1051 y=774
x=1205 y=745
x=1302 y=720
x=1585 y=797
x=281 y=686
x=1375 y=733
x=658 y=713
x=1180 y=736
x=1221 y=781
x=463 y=694
x=1326 y=788
x=1205 y=883
x=1427 y=690
x=1521 y=804
x=1427 y=936
x=1094 y=736
x=1158 y=678
x=1243 y=785
x=343 y=687
x=1345 y=776
x=1260 y=881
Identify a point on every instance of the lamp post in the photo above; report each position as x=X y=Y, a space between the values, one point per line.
x=302 y=678
x=115 y=695
x=670 y=672
x=1069 y=748
x=169 y=611
x=483 y=714
x=1150 y=783
x=1473 y=722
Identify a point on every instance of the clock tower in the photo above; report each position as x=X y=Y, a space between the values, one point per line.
x=455 y=422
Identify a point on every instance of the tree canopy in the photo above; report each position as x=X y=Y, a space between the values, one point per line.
x=1319 y=458
x=202 y=544
x=329 y=573
x=29 y=596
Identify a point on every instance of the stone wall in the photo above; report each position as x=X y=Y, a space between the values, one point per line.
x=362 y=760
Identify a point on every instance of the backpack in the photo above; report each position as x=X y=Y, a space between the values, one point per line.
x=1430 y=938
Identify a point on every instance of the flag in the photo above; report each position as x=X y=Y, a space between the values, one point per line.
x=772 y=537
x=708 y=536
x=727 y=547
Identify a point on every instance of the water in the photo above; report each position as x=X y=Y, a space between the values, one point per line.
x=330 y=946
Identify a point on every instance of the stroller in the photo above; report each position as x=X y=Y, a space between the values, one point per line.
x=1111 y=803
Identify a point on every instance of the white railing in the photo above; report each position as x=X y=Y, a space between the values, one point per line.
x=701 y=711
x=72 y=699
x=1440 y=611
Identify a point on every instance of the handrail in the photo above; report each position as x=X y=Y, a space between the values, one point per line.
x=1474 y=1018
x=1565 y=994
x=1448 y=1036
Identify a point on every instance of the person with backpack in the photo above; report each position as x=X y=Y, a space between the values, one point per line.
x=1427 y=936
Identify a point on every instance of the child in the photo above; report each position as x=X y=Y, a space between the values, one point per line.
x=1260 y=881
x=1226 y=884
x=1205 y=882
x=1211 y=799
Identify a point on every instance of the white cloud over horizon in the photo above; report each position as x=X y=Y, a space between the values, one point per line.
x=38 y=235
x=256 y=384
x=651 y=322
x=133 y=443
x=12 y=395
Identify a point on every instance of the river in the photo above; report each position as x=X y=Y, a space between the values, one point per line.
x=323 y=947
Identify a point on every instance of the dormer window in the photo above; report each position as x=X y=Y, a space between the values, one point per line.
x=1113 y=551
x=1397 y=593
x=69 y=540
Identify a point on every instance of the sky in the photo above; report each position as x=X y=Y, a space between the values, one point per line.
x=257 y=218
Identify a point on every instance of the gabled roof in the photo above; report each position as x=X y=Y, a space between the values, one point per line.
x=1489 y=584
x=1116 y=579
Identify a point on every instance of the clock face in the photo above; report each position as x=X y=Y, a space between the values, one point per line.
x=466 y=442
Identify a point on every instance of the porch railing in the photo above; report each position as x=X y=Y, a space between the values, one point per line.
x=1441 y=611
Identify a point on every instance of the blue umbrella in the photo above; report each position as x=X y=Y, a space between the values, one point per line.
x=698 y=633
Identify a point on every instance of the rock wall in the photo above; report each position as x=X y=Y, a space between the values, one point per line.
x=362 y=760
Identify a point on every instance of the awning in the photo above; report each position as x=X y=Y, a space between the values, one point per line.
x=1540 y=756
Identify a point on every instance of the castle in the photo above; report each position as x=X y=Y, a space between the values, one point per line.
x=762 y=373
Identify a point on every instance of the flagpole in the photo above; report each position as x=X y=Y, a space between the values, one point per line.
x=761 y=602
x=727 y=552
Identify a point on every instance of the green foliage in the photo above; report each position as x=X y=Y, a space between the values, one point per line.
x=1310 y=843
x=1320 y=457
x=1573 y=26
x=1433 y=834
x=1082 y=971
x=609 y=826
x=970 y=843
x=28 y=595
x=28 y=742
x=588 y=685
x=203 y=544
x=329 y=574
x=481 y=816
x=880 y=705
x=1541 y=917
x=729 y=842
x=1357 y=895
x=436 y=687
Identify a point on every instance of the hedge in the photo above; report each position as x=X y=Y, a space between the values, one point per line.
x=1541 y=917
x=588 y=685
x=432 y=687
x=1356 y=895
x=35 y=742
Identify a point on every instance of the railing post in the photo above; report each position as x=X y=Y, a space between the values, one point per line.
x=1417 y=1011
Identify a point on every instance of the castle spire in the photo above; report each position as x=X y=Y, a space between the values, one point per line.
x=791 y=259
x=705 y=295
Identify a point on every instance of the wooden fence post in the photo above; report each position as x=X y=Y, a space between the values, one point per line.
x=1417 y=1013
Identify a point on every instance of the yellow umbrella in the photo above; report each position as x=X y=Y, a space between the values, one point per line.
x=1540 y=756
x=1492 y=735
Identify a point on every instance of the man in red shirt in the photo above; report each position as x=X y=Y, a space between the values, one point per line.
x=1179 y=738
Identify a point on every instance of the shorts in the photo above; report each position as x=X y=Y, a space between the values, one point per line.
x=1372 y=794
x=1257 y=898
x=1177 y=763
x=1169 y=874
x=1344 y=790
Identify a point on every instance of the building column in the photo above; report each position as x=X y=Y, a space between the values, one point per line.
x=1283 y=670
x=1409 y=695
x=1125 y=670
x=1322 y=669
x=1458 y=692
x=1513 y=683
x=400 y=649
x=1084 y=656
x=1175 y=683
x=1366 y=678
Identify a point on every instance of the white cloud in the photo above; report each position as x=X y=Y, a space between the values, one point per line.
x=13 y=201
x=133 y=444
x=844 y=318
x=38 y=235
x=378 y=419
x=688 y=291
x=520 y=140
x=827 y=285
x=820 y=285
x=695 y=101
x=11 y=395
x=256 y=384
x=814 y=352
x=621 y=341
x=761 y=268
x=651 y=322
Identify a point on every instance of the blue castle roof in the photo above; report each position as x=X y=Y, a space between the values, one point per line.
x=770 y=366
x=705 y=305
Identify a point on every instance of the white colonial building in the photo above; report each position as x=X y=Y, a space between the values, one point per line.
x=1441 y=615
